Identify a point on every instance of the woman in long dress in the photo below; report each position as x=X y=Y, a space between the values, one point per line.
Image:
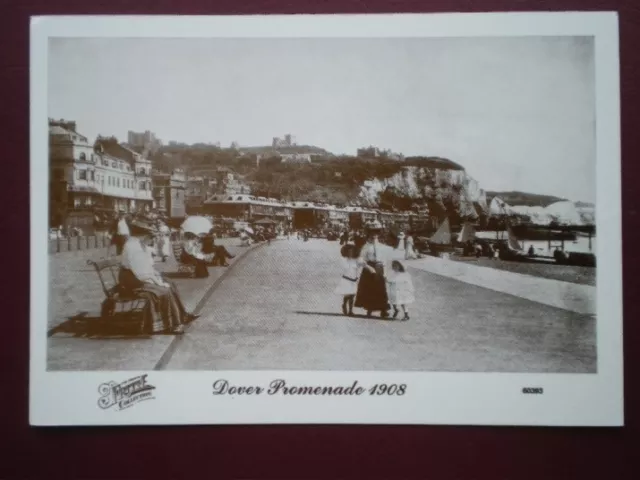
x=410 y=253
x=372 y=289
x=137 y=272
x=162 y=240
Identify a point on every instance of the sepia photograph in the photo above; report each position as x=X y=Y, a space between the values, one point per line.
x=329 y=203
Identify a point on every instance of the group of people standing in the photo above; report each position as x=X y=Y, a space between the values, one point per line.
x=368 y=280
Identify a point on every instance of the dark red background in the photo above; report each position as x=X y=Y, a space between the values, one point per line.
x=290 y=451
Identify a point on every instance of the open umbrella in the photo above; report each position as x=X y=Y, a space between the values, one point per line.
x=249 y=230
x=197 y=225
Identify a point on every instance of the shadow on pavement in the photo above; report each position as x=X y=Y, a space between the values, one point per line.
x=341 y=315
x=92 y=326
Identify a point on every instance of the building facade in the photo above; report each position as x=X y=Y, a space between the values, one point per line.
x=197 y=190
x=169 y=193
x=88 y=180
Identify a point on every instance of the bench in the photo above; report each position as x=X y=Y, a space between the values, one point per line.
x=121 y=307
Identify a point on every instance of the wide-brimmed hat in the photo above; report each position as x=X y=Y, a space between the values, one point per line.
x=373 y=226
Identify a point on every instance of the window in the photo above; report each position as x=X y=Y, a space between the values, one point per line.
x=121 y=165
x=141 y=186
x=83 y=157
x=82 y=174
x=92 y=176
x=114 y=164
x=118 y=182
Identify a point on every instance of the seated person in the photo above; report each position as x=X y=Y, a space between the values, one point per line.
x=192 y=253
x=220 y=254
x=244 y=238
x=137 y=272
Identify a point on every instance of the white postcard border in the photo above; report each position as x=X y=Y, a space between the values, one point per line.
x=71 y=398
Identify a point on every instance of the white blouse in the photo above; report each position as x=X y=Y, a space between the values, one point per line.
x=372 y=252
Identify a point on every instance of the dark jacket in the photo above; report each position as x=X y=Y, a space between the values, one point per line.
x=208 y=244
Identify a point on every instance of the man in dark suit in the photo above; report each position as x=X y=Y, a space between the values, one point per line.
x=220 y=254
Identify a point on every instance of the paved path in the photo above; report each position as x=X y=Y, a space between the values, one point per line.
x=556 y=293
x=277 y=311
x=75 y=288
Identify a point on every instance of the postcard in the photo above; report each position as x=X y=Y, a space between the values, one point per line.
x=358 y=219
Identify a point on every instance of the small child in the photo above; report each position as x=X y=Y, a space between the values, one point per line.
x=400 y=289
x=348 y=285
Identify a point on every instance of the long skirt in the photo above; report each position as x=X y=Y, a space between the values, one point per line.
x=163 y=246
x=410 y=253
x=372 y=292
x=164 y=301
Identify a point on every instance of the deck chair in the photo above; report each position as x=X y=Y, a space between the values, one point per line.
x=188 y=268
x=121 y=307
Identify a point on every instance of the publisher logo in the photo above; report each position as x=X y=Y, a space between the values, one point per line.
x=125 y=394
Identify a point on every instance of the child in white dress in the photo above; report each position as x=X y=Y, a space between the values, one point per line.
x=400 y=289
x=348 y=285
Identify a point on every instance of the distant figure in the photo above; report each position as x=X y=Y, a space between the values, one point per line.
x=245 y=240
x=119 y=233
x=409 y=252
x=531 y=251
x=478 y=250
x=162 y=240
x=496 y=253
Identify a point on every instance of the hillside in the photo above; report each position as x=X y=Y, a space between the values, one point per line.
x=525 y=199
x=427 y=183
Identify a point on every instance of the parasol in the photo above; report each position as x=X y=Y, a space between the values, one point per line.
x=197 y=225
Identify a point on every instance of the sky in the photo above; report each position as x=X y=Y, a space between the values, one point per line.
x=517 y=113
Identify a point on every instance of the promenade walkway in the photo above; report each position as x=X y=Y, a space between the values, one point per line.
x=555 y=293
